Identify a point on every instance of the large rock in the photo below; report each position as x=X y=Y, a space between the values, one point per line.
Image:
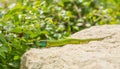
x=104 y=54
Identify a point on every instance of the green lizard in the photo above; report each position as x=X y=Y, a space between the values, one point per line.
x=61 y=42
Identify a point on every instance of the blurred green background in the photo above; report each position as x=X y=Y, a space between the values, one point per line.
x=25 y=21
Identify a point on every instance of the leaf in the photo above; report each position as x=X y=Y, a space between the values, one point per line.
x=2 y=54
x=3 y=50
x=17 y=30
x=2 y=39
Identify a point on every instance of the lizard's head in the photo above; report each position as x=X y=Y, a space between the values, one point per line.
x=43 y=43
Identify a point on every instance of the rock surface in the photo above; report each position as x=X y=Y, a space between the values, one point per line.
x=104 y=54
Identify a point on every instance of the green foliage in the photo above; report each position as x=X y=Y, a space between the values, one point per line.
x=26 y=21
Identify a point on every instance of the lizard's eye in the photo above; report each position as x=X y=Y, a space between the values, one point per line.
x=43 y=43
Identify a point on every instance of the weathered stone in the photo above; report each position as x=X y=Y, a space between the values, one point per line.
x=104 y=54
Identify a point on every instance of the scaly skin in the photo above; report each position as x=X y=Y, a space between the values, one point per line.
x=56 y=43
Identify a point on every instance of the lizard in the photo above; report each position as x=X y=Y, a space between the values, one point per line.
x=62 y=42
